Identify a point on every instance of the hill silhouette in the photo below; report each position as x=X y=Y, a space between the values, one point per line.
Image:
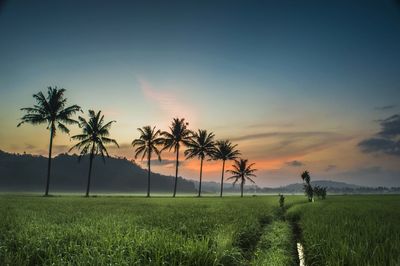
x=25 y=172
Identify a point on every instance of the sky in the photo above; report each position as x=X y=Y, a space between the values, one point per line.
x=296 y=84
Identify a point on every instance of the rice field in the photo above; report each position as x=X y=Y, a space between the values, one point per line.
x=350 y=230
x=134 y=231
x=71 y=230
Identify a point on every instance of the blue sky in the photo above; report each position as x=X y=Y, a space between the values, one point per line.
x=239 y=68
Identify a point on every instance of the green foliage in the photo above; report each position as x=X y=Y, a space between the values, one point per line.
x=350 y=230
x=246 y=238
x=308 y=190
x=130 y=231
x=342 y=230
x=281 y=201
x=275 y=246
x=320 y=192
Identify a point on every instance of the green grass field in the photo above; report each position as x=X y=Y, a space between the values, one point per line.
x=350 y=230
x=70 y=230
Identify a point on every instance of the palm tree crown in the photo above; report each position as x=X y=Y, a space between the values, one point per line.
x=146 y=144
x=179 y=134
x=201 y=145
x=148 y=141
x=306 y=177
x=242 y=171
x=94 y=135
x=224 y=150
x=50 y=110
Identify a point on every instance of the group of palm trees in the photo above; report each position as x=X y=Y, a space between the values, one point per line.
x=52 y=110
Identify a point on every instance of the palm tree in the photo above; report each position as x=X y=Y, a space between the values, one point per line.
x=224 y=150
x=179 y=134
x=201 y=145
x=308 y=190
x=147 y=144
x=50 y=110
x=93 y=139
x=242 y=171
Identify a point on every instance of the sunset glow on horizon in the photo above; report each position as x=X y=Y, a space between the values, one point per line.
x=291 y=101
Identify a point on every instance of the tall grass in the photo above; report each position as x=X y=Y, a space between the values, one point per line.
x=350 y=230
x=130 y=231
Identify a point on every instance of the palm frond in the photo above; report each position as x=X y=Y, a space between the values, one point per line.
x=94 y=134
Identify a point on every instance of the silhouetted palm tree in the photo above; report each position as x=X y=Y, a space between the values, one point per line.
x=94 y=136
x=308 y=190
x=146 y=144
x=50 y=110
x=201 y=145
x=242 y=171
x=306 y=177
x=179 y=134
x=224 y=150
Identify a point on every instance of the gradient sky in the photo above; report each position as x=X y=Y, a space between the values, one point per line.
x=296 y=84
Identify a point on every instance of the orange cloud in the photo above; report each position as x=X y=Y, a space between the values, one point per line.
x=167 y=101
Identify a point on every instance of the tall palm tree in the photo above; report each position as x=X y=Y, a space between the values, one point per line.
x=242 y=171
x=146 y=144
x=224 y=150
x=50 y=110
x=93 y=139
x=201 y=145
x=179 y=135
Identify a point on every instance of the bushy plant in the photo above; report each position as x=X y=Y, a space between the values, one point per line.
x=308 y=190
x=281 y=201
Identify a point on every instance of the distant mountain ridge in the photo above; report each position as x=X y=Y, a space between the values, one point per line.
x=295 y=188
x=27 y=173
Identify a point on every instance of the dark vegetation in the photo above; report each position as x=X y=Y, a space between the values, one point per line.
x=51 y=110
x=27 y=173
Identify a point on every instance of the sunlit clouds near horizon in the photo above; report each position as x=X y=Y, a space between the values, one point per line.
x=296 y=85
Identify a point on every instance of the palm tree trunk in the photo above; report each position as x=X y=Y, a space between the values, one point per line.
x=148 y=174
x=176 y=171
x=201 y=175
x=49 y=160
x=90 y=171
x=241 y=189
x=222 y=177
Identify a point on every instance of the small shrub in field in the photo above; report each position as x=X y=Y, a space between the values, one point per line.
x=281 y=201
x=308 y=190
x=320 y=192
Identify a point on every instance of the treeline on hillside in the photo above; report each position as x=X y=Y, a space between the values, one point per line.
x=24 y=172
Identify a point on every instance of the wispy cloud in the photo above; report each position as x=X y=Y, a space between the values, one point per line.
x=295 y=163
x=274 y=149
x=167 y=101
x=330 y=167
x=385 y=107
x=292 y=135
x=269 y=125
x=385 y=141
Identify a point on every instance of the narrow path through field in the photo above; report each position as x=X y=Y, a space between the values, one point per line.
x=297 y=237
x=277 y=244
